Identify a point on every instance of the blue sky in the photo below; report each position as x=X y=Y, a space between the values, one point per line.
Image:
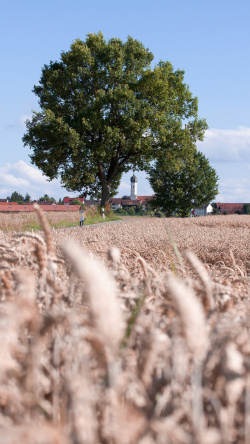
x=208 y=40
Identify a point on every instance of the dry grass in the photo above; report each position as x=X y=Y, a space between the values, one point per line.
x=24 y=221
x=118 y=334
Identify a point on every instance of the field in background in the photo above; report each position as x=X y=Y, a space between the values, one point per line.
x=29 y=221
x=129 y=333
x=216 y=240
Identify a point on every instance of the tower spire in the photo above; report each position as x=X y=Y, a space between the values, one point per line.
x=133 y=181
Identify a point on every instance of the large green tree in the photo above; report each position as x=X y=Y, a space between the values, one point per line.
x=246 y=209
x=105 y=110
x=179 y=188
x=46 y=198
x=16 y=197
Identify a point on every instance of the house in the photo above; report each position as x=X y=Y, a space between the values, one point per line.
x=46 y=202
x=119 y=202
x=204 y=210
x=229 y=208
x=68 y=200
x=6 y=202
x=144 y=200
x=130 y=201
x=116 y=203
x=28 y=208
x=91 y=203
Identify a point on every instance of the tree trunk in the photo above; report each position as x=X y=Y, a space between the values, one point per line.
x=105 y=194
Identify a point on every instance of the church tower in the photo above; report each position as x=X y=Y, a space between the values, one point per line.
x=133 y=181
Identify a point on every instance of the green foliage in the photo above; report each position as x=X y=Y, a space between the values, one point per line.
x=16 y=197
x=27 y=197
x=179 y=189
x=121 y=211
x=46 y=198
x=149 y=213
x=216 y=211
x=78 y=202
x=105 y=111
x=94 y=216
x=139 y=210
x=130 y=211
x=159 y=214
x=246 y=209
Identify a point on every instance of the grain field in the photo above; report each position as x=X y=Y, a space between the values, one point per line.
x=135 y=332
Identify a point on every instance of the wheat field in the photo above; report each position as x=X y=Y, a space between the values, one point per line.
x=128 y=333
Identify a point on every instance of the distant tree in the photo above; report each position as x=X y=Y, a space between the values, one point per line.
x=130 y=211
x=121 y=211
x=16 y=197
x=105 y=109
x=27 y=197
x=179 y=189
x=139 y=210
x=216 y=210
x=246 y=209
x=60 y=201
x=78 y=202
x=46 y=198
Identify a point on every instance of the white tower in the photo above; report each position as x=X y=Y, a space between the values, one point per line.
x=133 y=181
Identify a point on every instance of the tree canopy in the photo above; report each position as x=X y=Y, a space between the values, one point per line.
x=246 y=209
x=46 y=198
x=78 y=202
x=180 y=188
x=105 y=110
x=27 y=197
x=16 y=197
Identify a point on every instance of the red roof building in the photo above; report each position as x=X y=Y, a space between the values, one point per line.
x=46 y=202
x=144 y=199
x=130 y=203
x=29 y=208
x=68 y=200
x=229 y=208
x=118 y=202
x=5 y=202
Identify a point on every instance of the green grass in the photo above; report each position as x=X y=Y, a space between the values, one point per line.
x=97 y=219
x=64 y=224
x=34 y=224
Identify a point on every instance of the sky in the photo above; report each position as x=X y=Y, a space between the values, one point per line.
x=209 y=40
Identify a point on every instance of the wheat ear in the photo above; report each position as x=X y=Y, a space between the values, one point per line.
x=101 y=290
x=46 y=228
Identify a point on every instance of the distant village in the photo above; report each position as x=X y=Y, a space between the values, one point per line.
x=125 y=202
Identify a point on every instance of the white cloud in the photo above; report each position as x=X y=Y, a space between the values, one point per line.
x=227 y=145
x=25 y=178
x=9 y=179
x=34 y=175
x=234 y=190
x=124 y=186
